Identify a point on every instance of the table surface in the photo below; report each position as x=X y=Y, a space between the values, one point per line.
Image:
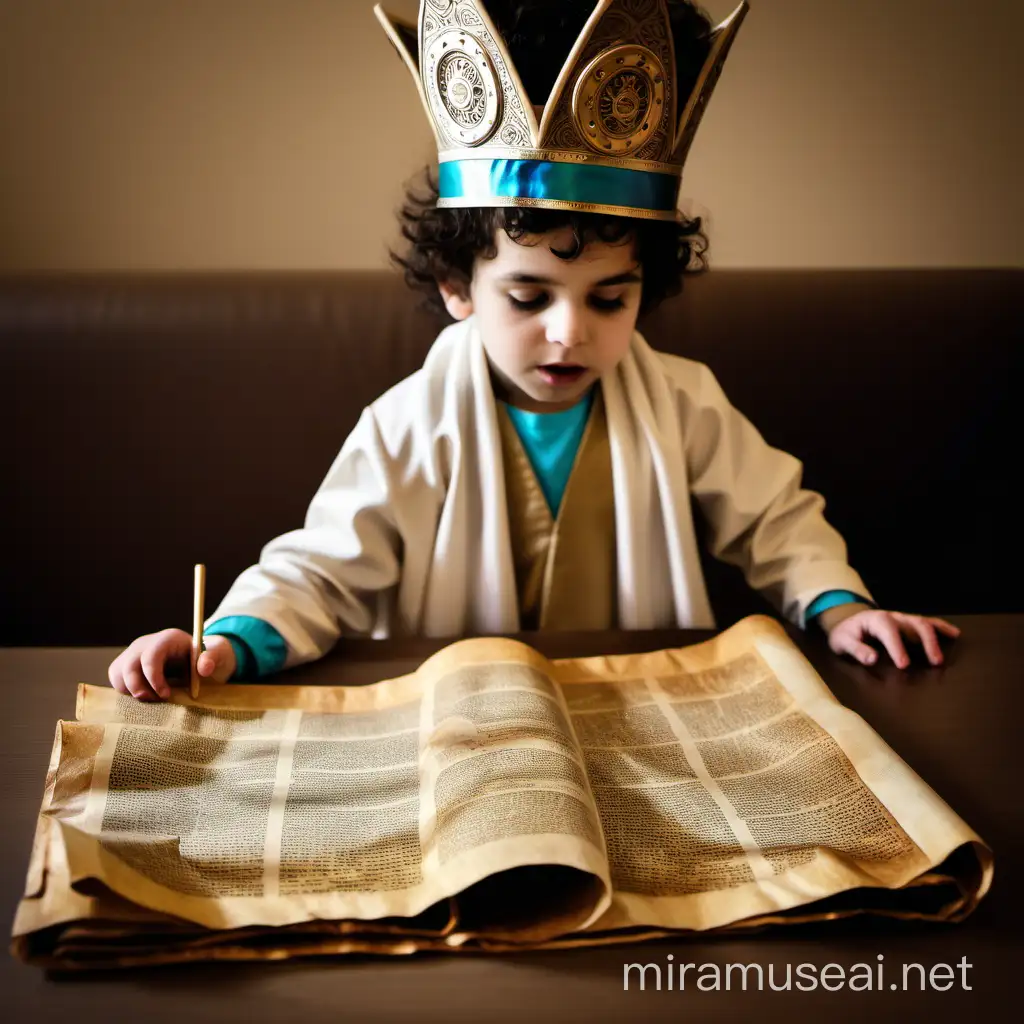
x=957 y=726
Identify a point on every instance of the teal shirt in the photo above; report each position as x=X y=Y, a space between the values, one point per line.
x=832 y=599
x=259 y=649
x=551 y=441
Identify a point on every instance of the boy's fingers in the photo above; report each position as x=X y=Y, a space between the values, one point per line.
x=207 y=663
x=153 y=660
x=861 y=652
x=122 y=666
x=116 y=671
x=116 y=678
x=847 y=641
x=137 y=685
x=924 y=630
x=885 y=629
x=140 y=670
x=218 y=661
x=174 y=647
x=945 y=627
x=929 y=641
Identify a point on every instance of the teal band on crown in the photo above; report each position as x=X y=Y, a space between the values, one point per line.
x=487 y=182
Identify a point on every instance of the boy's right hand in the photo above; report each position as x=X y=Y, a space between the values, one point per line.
x=143 y=669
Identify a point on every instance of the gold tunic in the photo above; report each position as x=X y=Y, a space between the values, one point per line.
x=565 y=566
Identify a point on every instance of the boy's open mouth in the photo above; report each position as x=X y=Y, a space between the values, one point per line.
x=561 y=374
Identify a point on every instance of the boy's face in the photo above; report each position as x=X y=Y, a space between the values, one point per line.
x=552 y=327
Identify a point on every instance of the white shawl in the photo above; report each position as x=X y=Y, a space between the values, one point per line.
x=409 y=534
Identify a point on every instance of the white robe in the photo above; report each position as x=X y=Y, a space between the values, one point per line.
x=409 y=534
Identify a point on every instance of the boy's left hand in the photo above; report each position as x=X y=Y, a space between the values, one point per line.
x=846 y=633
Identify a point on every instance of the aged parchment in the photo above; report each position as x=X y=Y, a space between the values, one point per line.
x=492 y=800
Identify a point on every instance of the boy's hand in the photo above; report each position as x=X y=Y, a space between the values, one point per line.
x=846 y=633
x=142 y=669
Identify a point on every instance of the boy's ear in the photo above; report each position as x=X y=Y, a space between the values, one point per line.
x=456 y=301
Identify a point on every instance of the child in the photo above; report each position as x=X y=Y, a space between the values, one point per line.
x=537 y=472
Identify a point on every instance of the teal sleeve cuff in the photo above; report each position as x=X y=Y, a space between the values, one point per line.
x=832 y=599
x=259 y=649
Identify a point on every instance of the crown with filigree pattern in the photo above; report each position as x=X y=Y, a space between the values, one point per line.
x=614 y=135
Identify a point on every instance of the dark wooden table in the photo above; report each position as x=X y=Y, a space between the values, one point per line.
x=958 y=726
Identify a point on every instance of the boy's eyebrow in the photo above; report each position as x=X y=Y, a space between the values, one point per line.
x=627 y=277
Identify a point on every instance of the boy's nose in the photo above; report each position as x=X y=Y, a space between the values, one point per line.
x=566 y=327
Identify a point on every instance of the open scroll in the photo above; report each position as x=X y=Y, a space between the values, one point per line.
x=492 y=800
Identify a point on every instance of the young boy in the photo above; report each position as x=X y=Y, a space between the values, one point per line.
x=537 y=472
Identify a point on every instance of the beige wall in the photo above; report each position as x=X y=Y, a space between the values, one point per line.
x=275 y=134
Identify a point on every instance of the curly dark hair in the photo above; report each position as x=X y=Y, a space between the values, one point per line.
x=444 y=244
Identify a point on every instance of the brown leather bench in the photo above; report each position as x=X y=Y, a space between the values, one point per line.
x=153 y=421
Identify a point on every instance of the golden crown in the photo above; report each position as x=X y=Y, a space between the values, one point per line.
x=614 y=135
